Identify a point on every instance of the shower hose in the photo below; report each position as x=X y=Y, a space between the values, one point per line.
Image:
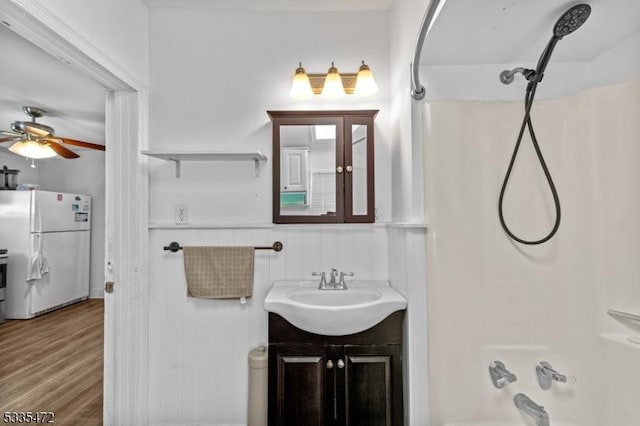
x=526 y=123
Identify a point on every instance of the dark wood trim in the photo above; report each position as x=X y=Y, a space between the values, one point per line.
x=387 y=332
x=370 y=217
x=302 y=120
x=344 y=184
x=275 y=175
x=323 y=113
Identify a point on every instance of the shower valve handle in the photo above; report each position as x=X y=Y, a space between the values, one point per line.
x=546 y=375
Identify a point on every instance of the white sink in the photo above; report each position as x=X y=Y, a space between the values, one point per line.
x=333 y=312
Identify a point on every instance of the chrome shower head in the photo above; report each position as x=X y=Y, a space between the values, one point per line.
x=571 y=20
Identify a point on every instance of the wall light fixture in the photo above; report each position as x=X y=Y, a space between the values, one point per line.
x=333 y=85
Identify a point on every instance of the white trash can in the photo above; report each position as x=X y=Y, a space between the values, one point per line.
x=258 y=378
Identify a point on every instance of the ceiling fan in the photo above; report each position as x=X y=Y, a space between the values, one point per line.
x=36 y=140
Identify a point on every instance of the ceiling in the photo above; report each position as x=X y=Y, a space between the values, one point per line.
x=466 y=32
x=276 y=5
x=516 y=31
x=75 y=103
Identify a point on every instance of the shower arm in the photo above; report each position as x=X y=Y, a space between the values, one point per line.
x=506 y=76
x=418 y=91
x=532 y=76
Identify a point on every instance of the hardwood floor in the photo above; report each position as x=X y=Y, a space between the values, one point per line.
x=54 y=363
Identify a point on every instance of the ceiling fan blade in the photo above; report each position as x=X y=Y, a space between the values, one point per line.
x=12 y=134
x=61 y=150
x=8 y=139
x=81 y=143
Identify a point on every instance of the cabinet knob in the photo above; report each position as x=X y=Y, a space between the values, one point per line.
x=329 y=364
x=340 y=363
x=339 y=169
x=349 y=169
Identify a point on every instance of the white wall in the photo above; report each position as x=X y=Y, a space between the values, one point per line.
x=493 y=299
x=407 y=245
x=12 y=161
x=405 y=19
x=198 y=348
x=214 y=75
x=481 y=81
x=117 y=28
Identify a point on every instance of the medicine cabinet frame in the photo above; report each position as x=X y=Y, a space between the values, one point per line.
x=344 y=122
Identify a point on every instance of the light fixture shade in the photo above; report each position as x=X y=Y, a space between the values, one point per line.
x=333 y=87
x=301 y=86
x=365 y=84
x=32 y=149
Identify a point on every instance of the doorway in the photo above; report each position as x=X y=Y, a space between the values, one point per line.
x=126 y=216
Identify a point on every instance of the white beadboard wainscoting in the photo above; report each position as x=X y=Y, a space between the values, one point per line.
x=198 y=348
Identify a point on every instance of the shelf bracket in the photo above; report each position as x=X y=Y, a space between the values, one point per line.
x=178 y=157
x=177 y=163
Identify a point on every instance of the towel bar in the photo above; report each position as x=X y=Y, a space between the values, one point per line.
x=174 y=247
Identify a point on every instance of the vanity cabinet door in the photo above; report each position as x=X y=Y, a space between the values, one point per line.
x=354 y=380
x=298 y=377
x=373 y=385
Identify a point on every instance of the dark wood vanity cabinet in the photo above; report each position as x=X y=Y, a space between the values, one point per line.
x=353 y=380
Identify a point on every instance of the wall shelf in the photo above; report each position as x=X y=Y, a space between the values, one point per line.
x=178 y=157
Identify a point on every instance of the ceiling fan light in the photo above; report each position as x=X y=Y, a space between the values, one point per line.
x=301 y=86
x=32 y=149
x=333 y=87
x=365 y=83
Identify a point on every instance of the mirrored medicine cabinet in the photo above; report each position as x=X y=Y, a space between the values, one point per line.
x=323 y=166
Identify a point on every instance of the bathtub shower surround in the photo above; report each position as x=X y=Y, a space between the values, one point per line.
x=491 y=299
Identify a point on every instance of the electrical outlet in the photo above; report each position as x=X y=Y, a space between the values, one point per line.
x=182 y=215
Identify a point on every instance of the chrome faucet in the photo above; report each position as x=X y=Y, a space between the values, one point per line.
x=323 y=280
x=546 y=375
x=332 y=277
x=332 y=284
x=528 y=406
x=499 y=374
x=342 y=285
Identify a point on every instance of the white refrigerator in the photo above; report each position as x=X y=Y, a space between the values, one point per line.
x=48 y=237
